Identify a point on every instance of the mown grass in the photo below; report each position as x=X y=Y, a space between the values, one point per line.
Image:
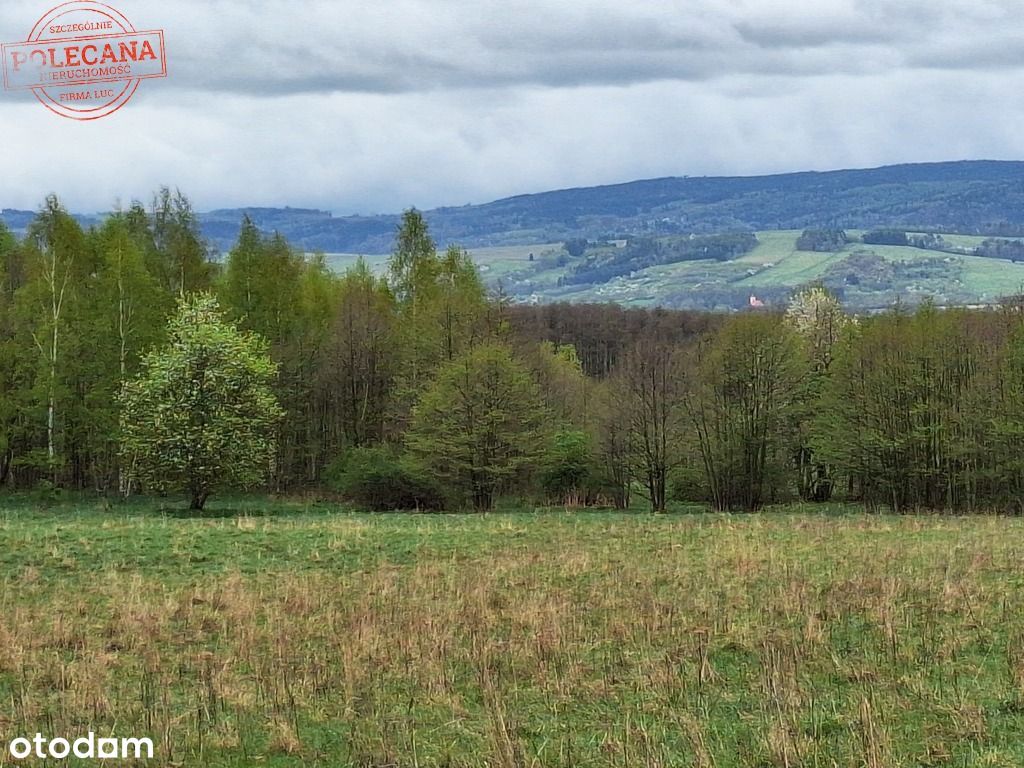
x=292 y=634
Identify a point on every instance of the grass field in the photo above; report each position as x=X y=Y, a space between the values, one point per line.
x=306 y=636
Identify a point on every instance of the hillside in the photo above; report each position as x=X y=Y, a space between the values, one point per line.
x=666 y=226
x=867 y=277
x=966 y=197
x=970 y=197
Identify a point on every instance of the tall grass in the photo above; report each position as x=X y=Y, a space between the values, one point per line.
x=518 y=640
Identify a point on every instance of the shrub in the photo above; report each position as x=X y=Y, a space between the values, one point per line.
x=688 y=483
x=378 y=480
x=567 y=467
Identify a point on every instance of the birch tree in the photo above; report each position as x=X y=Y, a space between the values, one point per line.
x=56 y=250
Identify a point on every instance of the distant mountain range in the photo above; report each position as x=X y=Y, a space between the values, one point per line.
x=969 y=197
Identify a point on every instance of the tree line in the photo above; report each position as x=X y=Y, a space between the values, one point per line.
x=133 y=361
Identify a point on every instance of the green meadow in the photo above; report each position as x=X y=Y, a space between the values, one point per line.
x=294 y=634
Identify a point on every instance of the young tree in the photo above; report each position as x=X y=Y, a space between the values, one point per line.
x=460 y=303
x=180 y=254
x=480 y=424
x=122 y=313
x=442 y=308
x=56 y=251
x=650 y=389
x=414 y=265
x=357 y=359
x=202 y=413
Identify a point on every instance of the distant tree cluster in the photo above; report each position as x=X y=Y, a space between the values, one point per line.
x=822 y=240
x=929 y=242
x=576 y=247
x=885 y=237
x=601 y=265
x=994 y=248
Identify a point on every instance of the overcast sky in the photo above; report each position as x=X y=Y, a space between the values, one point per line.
x=375 y=106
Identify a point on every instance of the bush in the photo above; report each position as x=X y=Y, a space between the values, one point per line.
x=689 y=483
x=567 y=467
x=378 y=480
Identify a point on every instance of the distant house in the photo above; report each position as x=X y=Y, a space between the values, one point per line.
x=618 y=243
x=755 y=302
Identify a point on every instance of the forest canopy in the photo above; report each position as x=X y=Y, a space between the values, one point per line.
x=419 y=388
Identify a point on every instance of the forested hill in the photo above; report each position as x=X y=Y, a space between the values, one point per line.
x=982 y=197
x=971 y=197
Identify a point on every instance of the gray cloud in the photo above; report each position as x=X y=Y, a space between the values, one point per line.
x=360 y=106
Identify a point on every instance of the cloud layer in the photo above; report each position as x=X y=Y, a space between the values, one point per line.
x=367 y=107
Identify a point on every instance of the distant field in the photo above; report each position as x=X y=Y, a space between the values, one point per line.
x=339 y=262
x=494 y=263
x=291 y=635
x=773 y=264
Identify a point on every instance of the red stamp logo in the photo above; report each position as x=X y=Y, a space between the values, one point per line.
x=84 y=60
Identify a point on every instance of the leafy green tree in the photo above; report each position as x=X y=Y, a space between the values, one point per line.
x=414 y=265
x=442 y=308
x=122 y=313
x=460 y=303
x=261 y=284
x=568 y=467
x=202 y=413
x=558 y=372
x=413 y=277
x=480 y=424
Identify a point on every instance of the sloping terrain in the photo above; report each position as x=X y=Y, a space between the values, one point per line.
x=970 y=197
x=641 y=242
x=867 y=277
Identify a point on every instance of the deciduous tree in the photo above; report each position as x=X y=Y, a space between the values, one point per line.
x=202 y=413
x=480 y=424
